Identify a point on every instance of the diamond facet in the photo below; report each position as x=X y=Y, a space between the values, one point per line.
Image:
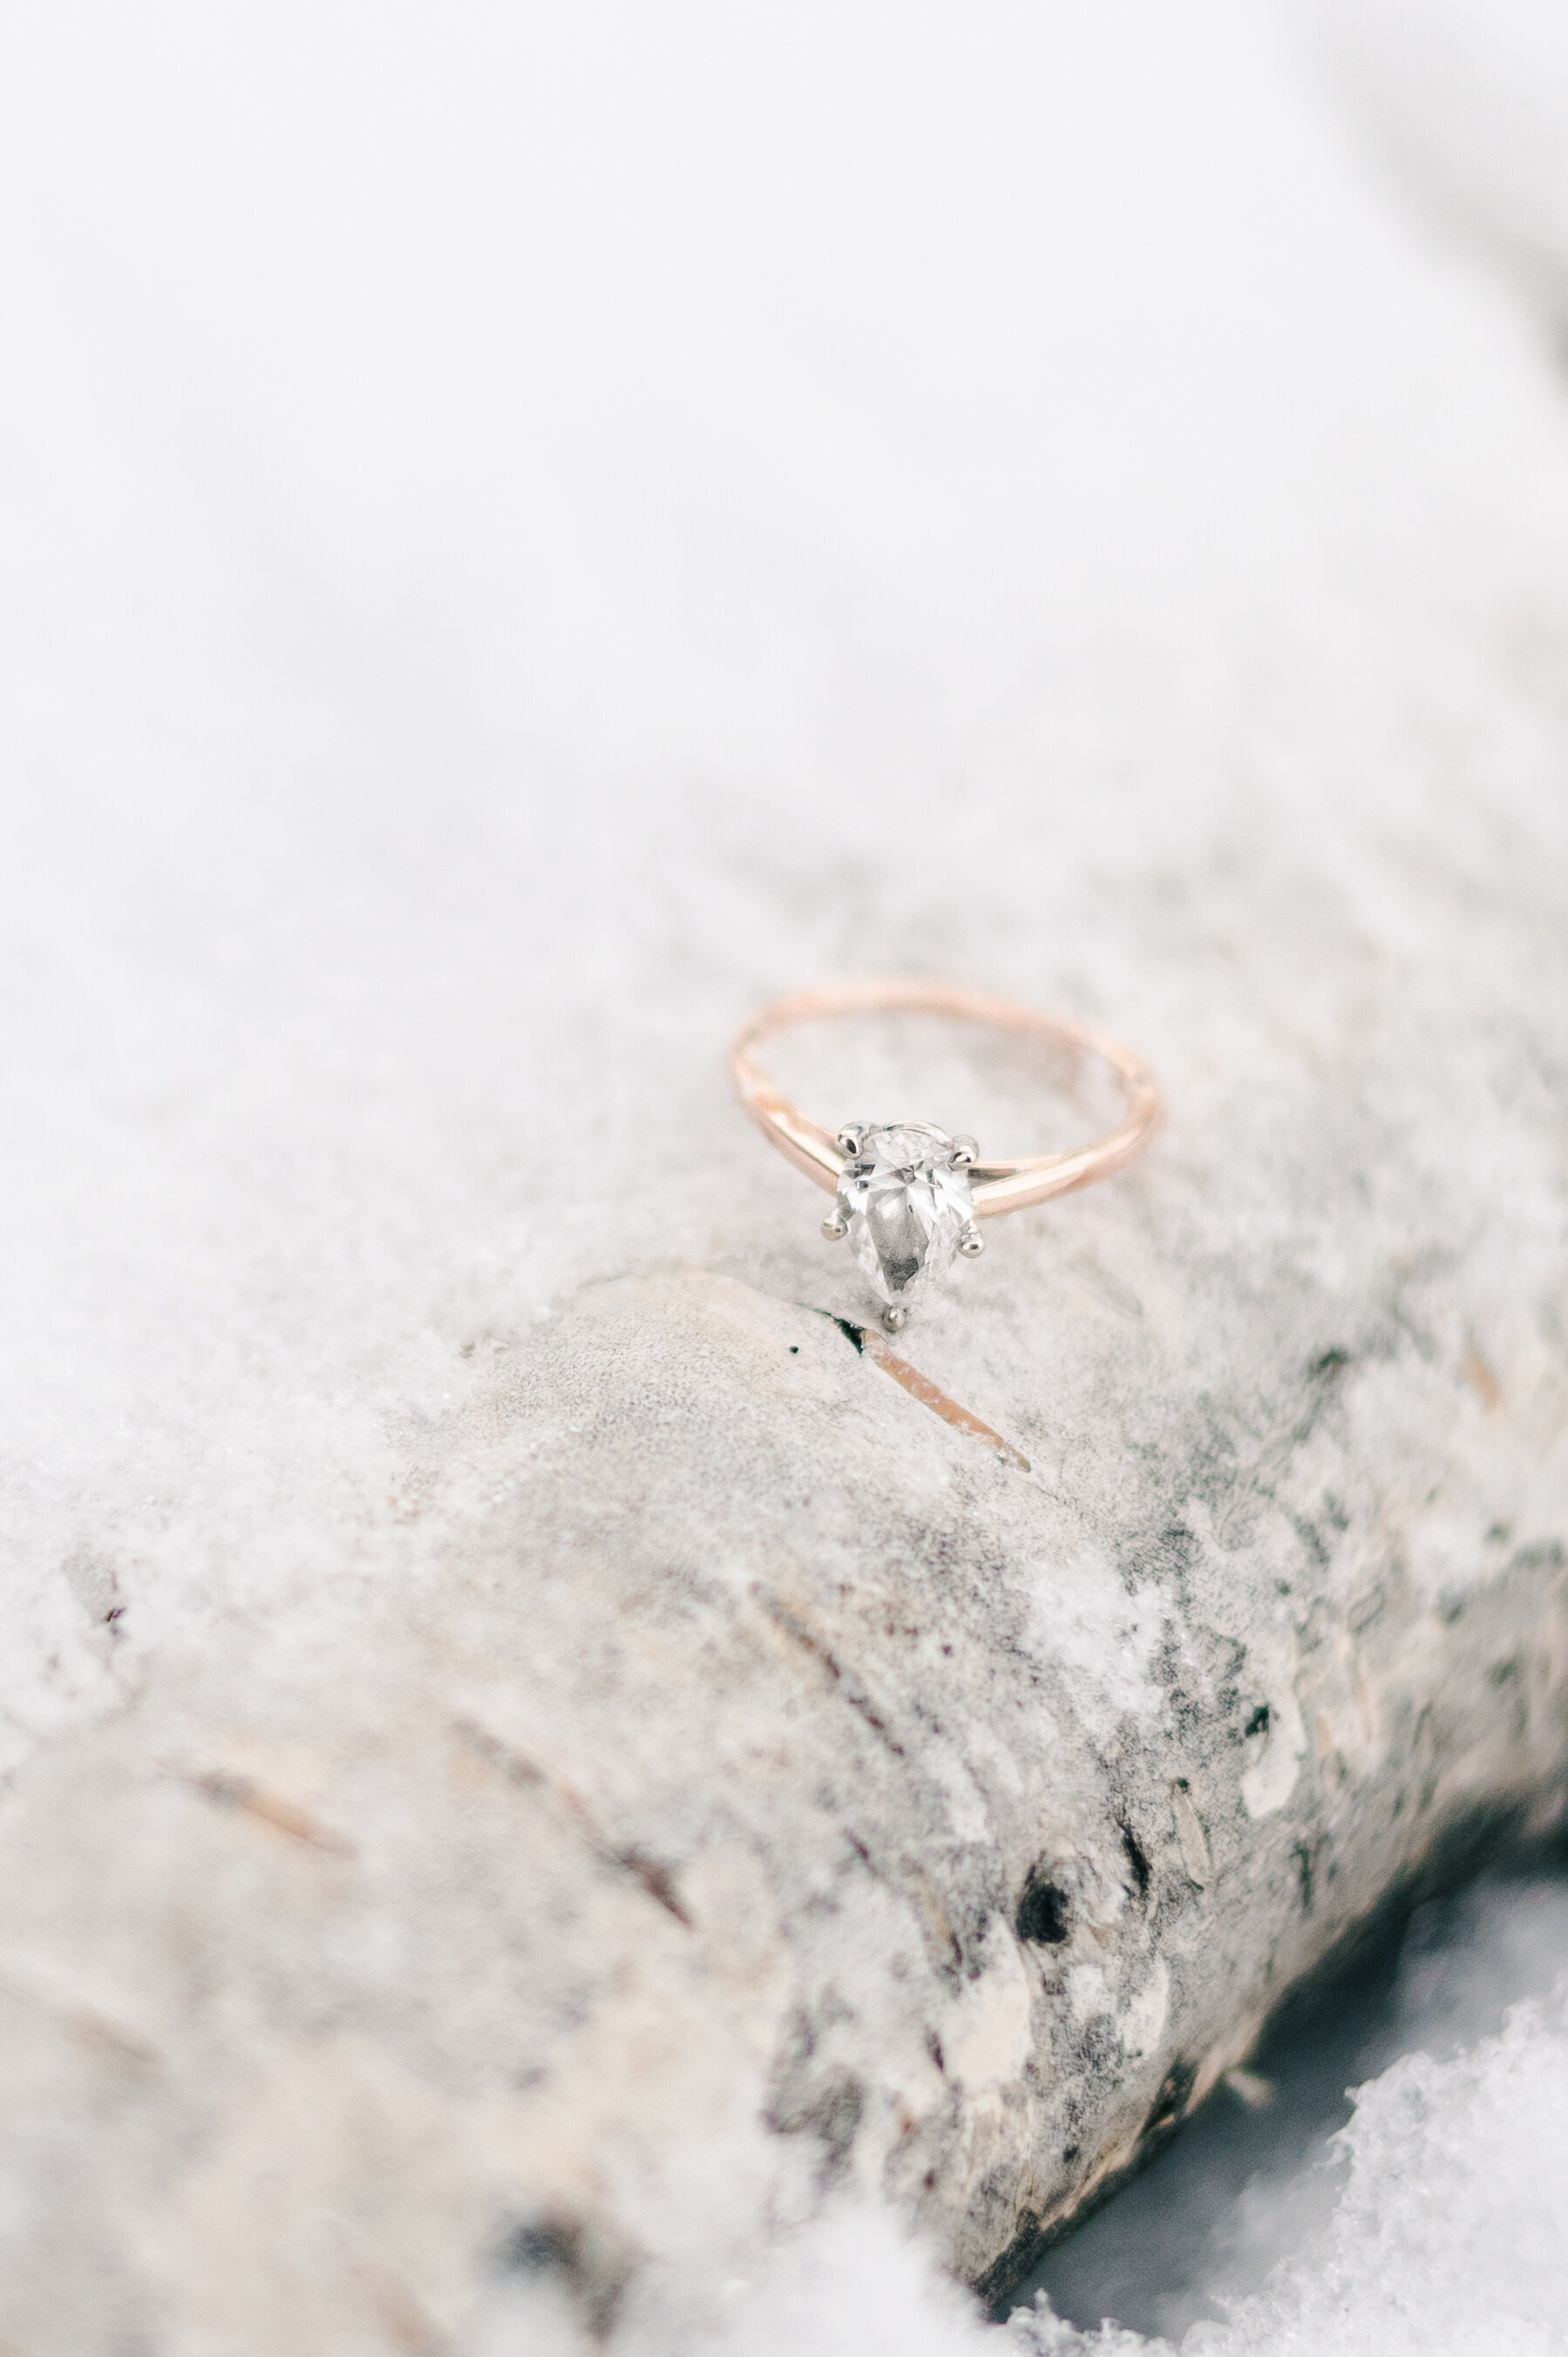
x=906 y=1200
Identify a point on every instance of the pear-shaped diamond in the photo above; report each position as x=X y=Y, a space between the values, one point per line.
x=905 y=1198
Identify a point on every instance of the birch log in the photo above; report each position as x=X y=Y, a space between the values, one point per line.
x=753 y=1787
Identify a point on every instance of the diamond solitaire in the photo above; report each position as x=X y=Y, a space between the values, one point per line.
x=908 y=1196
x=904 y=1202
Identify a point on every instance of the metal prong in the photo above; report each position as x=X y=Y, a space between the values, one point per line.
x=893 y=1318
x=850 y=1136
x=972 y=1243
x=964 y=1151
x=835 y=1228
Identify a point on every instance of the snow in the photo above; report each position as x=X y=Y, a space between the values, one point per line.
x=527 y=530
x=1433 y=2219
x=1431 y=2223
x=1429 y=2211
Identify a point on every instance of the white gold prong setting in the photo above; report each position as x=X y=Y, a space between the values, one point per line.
x=904 y=1203
x=895 y=1317
x=972 y=1243
x=965 y=1151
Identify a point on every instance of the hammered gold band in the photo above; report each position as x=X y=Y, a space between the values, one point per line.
x=997 y=1185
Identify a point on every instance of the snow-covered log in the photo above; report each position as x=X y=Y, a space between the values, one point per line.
x=540 y=1750
x=757 y=1787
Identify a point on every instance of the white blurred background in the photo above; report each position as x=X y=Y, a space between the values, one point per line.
x=526 y=529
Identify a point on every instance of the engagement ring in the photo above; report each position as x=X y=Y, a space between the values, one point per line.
x=910 y=1196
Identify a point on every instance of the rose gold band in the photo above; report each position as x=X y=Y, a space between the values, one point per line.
x=998 y=1186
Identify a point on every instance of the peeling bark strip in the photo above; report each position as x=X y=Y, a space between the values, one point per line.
x=231 y=1791
x=866 y=1340
x=733 y=1765
x=654 y=1878
x=921 y=1387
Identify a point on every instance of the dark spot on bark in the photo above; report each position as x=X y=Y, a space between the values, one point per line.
x=655 y=1879
x=1303 y=1870
x=1042 y=1916
x=1311 y=1538
x=873 y=1719
x=1070 y=2155
x=794 y=1349
x=537 y=2250
x=1366 y=1610
x=831 y=2113
x=934 y=2049
x=561 y=2247
x=513 y=1765
x=800 y=2039
x=1099 y=2051
x=1165 y=2111
x=1258 y=1722
x=1180 y=1545
x=1330 y=1364
x=1136 y=1858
